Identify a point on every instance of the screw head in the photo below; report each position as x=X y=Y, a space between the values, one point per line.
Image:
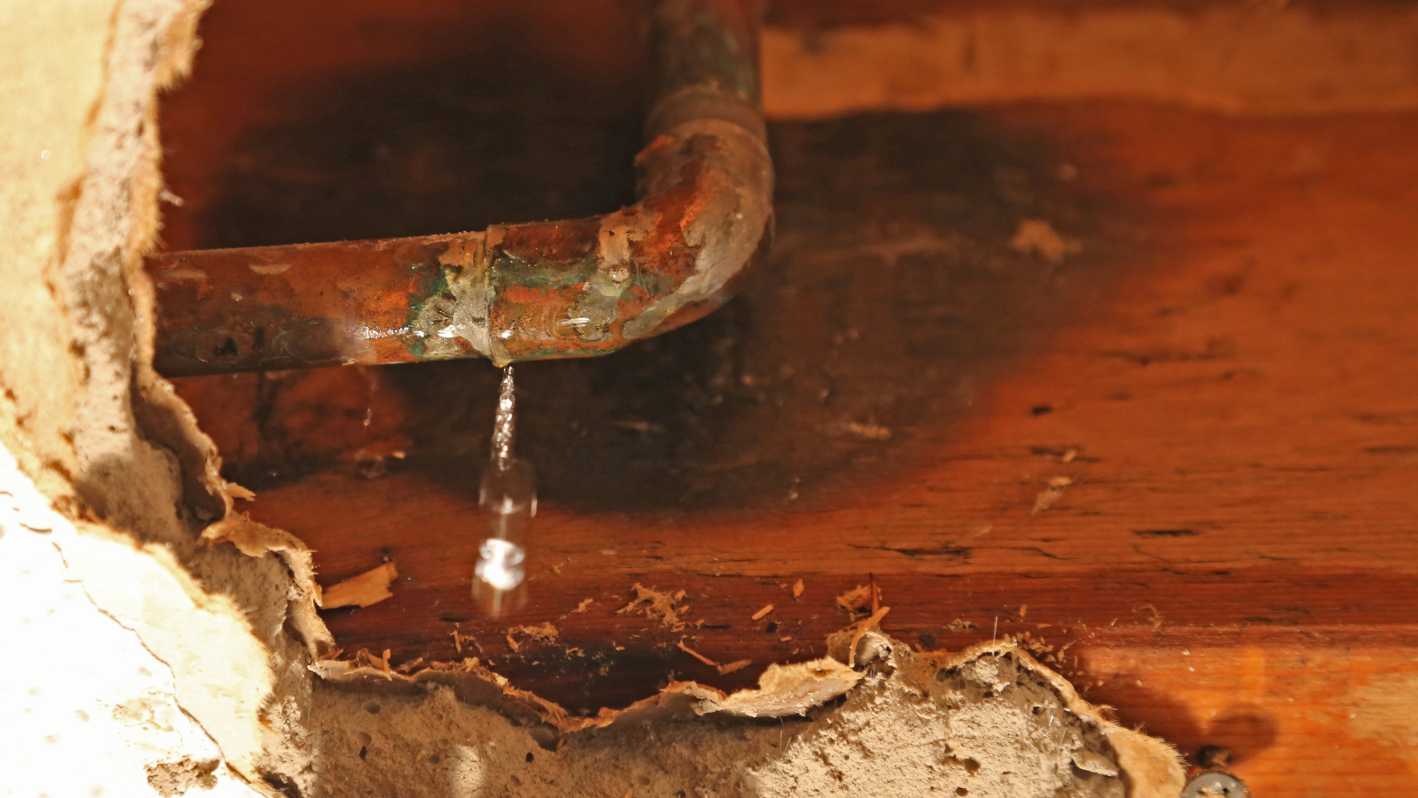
x=1215 y=784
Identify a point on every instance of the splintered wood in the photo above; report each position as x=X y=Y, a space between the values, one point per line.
x=722 y=669
x=861 y=601
x=662 y=607
x=370 y=587
x=758 y=616
x=542 y=633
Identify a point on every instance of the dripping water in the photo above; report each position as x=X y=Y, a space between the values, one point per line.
x=508 y=498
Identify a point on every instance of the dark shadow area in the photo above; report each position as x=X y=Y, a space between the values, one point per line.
x=488 y=137
x=895 y=289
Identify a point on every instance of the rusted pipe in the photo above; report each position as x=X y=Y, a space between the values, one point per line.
x=514 y=292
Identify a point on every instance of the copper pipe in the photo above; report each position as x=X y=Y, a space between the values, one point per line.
x=514 y=292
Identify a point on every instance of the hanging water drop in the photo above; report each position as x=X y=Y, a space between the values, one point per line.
x=508 y=497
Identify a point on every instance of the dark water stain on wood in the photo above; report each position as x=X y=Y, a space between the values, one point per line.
x=892 y=297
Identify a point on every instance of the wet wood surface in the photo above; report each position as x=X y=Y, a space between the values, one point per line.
x=1136 y=382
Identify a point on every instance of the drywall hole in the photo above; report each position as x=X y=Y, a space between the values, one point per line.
x=642 y=780
x=516 y=782
x=434 y=759
x=372 y=707
x=364 y=738
x=961 y=791
x=972 y=766
x=363 y=752
x=530 y=757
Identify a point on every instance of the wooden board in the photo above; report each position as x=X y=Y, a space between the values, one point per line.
x=1185 y=447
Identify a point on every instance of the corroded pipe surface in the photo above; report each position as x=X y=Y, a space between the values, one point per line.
x=514 y=292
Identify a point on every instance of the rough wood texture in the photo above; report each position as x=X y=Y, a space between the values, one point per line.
x=1181 y=439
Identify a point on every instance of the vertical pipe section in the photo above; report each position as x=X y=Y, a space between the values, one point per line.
x=515 y=292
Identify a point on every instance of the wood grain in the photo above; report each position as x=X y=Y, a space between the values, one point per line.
x=1224 y=372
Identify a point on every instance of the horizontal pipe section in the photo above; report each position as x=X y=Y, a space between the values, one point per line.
x=514 y=292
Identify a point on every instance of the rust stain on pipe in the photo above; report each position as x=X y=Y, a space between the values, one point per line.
x=514 y=292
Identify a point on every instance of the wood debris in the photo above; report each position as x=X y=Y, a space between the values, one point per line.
x=960 y=625
x=797 y=590
x=691 y=652
x=867 y=431
x=857 y=600
x=1048 y=496
x=583 y=605
x=1038 y=237
x=370 y=587
x=365 y=659
x=722 y=669
x=459 y=639
x=542 y=633
x=662 y=607
x=758 y=616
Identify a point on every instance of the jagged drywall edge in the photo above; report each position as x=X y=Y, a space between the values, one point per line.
x=80 y=406
x=990 y=721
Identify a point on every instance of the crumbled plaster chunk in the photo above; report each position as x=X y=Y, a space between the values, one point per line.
x=988 y=727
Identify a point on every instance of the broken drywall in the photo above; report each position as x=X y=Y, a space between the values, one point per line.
x=80 y=407
x=990 y=722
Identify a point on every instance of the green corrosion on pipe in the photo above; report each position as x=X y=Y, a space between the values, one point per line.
x=557 y=289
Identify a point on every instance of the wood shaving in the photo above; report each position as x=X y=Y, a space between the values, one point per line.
x=542 y=633
x=867 y=431
x=797 y=590
x=959 y=625
x=691 y=652
x=856 y=600
x=583 y=605
x=662 y=607
x=370 y=587
x=734 y=666
x=460 y=639
x=758 y=616
x=1045 y=500
x=1037 y=236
